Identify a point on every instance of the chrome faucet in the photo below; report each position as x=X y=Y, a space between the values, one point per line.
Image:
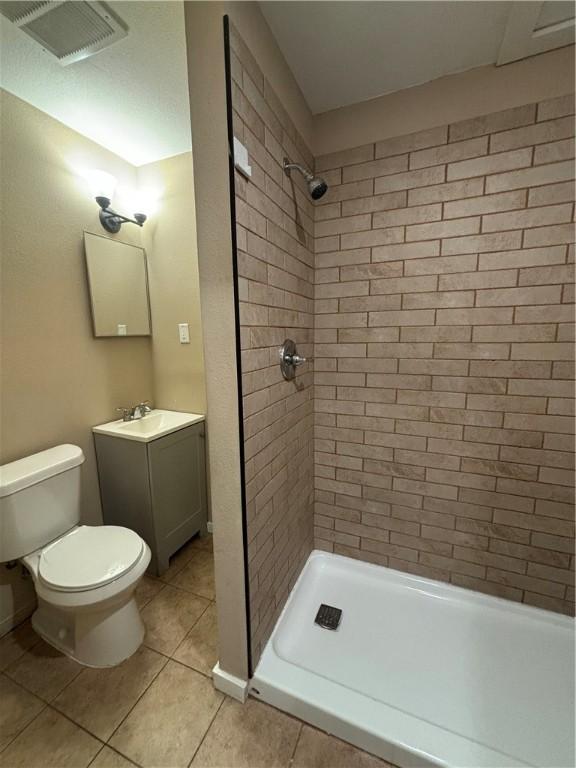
x=135 y=412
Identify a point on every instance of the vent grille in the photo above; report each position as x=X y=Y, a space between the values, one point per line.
x=20 y=11
x=69 y=30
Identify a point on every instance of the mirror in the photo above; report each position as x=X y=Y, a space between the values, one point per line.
x=118 y=285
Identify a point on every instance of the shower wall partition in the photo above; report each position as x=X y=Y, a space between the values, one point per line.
x=275 y=288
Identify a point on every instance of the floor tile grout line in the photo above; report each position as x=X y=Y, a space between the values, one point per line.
x=44 y=705
x=130 y=760
x=193 y=669
x=141 y=606
x=112 y=749
x=165 y=582
x=224 y=697
x=25 y=650
x=191 y=628
x=185 y=565
x=69 y=683
x=49 y=702
x=163 y=585
x=301 y=728
x=180 y=589
x=71 y=719
x=168 y=656
x=62 y=714
x=208 y=675
x=184 y=589
x=305 y=724
x=168 y=659
x=96 y=755
x=153 y=680
x=78 y=725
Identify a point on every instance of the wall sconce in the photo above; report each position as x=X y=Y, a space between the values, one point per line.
x=112 y=221
x=103 y=187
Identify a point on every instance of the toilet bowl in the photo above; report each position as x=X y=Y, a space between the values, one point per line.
x=85 y=576
x=85 y=583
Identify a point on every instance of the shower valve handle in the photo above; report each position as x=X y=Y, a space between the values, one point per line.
x=290 y=359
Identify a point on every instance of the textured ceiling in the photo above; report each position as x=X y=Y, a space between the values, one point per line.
x=131 y=97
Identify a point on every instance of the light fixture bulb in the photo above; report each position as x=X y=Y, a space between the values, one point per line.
x=102 y=184
x=146 y=199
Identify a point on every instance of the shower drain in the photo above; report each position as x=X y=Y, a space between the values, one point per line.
x=328 y=617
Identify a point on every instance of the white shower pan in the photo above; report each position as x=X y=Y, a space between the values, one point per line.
x=423 y=673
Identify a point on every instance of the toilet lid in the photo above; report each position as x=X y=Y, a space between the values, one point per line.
x=89 y=557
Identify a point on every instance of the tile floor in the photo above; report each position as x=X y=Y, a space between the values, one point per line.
x=159 y=708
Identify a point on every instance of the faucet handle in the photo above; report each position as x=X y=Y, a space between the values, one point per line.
x=127 y=413
x=145 y=406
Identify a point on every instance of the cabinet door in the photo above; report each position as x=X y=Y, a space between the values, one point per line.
x=124 y=486
x=178 y=486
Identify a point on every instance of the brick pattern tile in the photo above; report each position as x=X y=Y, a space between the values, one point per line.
x=275 y=228
x=443 y=354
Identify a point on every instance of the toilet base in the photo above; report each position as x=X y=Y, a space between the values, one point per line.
x=93 y=638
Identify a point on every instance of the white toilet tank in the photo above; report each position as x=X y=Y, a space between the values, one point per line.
x=39 y=499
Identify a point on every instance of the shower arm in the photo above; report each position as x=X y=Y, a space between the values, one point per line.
x=316 y=185
x=288 y=166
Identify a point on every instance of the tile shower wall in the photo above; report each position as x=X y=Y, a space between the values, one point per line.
x=443 y=343
x=276 y=291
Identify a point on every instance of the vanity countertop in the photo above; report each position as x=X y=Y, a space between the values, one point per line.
x=155 y=424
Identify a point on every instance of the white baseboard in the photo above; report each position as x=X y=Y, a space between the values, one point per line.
x=209 y=526
x=230 y=684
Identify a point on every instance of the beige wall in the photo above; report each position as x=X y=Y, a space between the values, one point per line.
x=275 y=226
x=170 y=241
x=444 y=354
x=446 y=100
x=57 y=380
x=47 y=327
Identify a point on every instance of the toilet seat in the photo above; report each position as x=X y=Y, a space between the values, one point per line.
x=89 y=557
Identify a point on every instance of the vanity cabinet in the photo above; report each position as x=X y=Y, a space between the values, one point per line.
x=156 y=488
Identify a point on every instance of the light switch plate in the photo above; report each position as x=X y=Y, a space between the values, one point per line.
x=122 y=329
x=241 y=159
x=184 y=333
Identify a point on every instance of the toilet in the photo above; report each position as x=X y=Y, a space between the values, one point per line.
x=85 y=576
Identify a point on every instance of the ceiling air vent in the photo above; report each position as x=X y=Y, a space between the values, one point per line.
x=69 y=30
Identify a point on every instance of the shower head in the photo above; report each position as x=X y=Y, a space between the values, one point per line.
x=316 y=185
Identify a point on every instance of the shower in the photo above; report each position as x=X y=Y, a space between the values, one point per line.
x=316 y=186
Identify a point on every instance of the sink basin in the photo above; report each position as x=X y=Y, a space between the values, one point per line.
x=150 y=427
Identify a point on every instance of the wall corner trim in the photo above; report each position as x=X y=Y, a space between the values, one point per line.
x=230 y=684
